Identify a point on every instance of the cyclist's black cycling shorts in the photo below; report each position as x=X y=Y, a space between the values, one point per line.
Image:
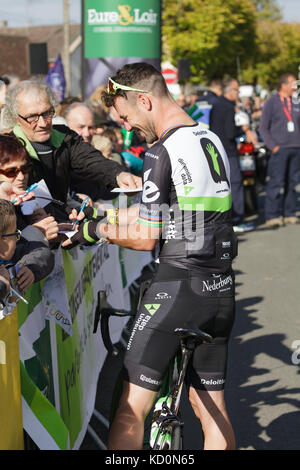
x=178 y=298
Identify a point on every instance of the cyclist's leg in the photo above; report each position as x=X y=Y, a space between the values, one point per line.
x=127 y=430
x=149 y=350
x=206 y=376
x=210 y=409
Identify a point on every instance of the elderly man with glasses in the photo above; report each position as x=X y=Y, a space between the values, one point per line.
x=56 y=150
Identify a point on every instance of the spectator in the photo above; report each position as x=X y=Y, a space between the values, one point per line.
x=15 y=167
x=4 y=83
x=12 y=78
x=114 y=134
x=181 y=100
x=34 y=260
x=100 y=123
x=222 y=122
x=80 y=118
x=64 y=104
x=56 y=150
x=280 y=131
x=128 y=158
x=104 y=144
x=214 y=91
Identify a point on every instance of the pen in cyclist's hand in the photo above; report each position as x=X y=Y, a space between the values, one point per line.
x=83 y=206
x=31 y=188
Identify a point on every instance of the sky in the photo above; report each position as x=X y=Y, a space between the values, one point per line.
x=20 y=13
x=290 y=10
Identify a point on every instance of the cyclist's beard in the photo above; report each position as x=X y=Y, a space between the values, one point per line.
x=148 y=134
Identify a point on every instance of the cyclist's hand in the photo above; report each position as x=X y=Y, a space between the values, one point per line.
x=89 y=213
x=25 y=278
x=85 y=235
x=129 y=181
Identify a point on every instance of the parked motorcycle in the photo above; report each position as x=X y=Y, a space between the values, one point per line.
x=248 y=169
x=253 y=164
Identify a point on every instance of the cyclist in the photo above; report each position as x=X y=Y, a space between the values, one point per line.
x=186 y=204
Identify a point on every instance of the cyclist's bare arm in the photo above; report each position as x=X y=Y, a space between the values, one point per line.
x=132 y=235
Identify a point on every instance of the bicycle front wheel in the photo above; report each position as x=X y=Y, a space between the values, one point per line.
x=176 y=438
x=169 y=437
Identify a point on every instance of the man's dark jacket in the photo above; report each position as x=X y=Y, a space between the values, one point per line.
x=222 y=123
x=70 y=153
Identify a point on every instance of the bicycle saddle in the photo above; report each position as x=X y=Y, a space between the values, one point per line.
x=193 y=333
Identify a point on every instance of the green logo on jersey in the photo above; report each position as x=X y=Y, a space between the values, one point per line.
x=215 y=161
x=214 y=156
x=152 y=308
x=188 y=189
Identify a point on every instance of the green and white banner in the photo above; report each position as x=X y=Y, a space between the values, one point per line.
x=61 y=357
x=116 y=29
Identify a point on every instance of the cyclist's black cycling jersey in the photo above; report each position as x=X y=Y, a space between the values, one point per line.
x=186 y=191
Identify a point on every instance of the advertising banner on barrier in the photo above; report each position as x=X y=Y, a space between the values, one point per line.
x=61 y=357
x=11 y=429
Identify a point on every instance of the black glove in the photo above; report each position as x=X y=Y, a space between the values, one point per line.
x=86 y=234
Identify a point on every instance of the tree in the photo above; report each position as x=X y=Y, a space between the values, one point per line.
x=212 y=34
x=268 y=10
x=277 y=52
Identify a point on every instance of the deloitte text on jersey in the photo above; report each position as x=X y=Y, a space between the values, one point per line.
x=122 y=30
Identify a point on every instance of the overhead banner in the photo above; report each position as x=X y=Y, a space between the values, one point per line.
x=116 y=29
x=116 y=33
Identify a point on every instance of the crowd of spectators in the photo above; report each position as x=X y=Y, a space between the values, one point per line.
x=75 y=149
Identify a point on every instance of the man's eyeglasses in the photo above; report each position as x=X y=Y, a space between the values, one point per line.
x=16 y=234
x=46 y=115
x=113 y=87
x=14 y=171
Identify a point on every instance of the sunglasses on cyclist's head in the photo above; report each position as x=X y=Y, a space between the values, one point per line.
x=14 y=170
x=16 y=234
x=113 y=87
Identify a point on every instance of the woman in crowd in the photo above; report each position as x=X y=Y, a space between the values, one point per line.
x=15 y=167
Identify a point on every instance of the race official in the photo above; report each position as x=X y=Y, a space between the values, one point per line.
x=280 y=131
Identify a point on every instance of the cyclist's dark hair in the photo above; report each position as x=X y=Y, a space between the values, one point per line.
x=138 y=75
x=7 y=211
x=284 y=79
x=12 y=148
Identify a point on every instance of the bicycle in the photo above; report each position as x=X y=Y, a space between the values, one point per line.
x=166 y=427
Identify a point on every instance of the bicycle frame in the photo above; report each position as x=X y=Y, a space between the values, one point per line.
x=170 y=406
x=168 y=419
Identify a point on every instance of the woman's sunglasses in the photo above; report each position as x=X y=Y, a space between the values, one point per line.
x=14 y=171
